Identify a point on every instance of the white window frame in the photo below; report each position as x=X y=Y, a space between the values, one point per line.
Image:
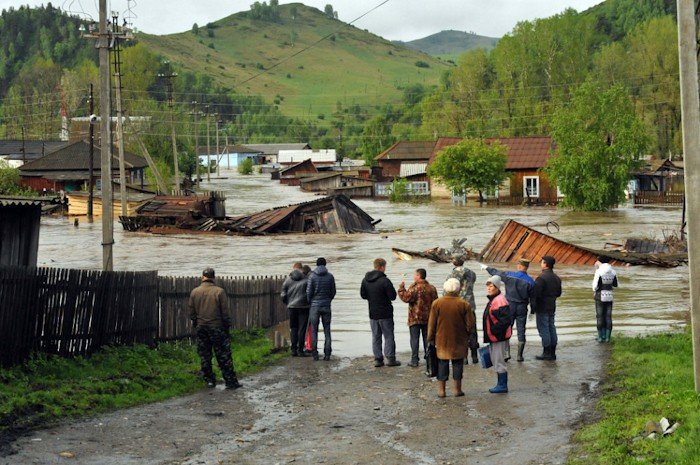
x=536 y=193
x=560 y=194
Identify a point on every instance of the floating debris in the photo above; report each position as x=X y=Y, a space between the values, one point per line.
x=514 y=241
x=438 y=254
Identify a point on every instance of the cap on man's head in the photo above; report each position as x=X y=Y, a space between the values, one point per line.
x=549 y=260
x=458 y=261
x=604 y=259
x=208 y=273
x=524 y=262
x=320 y=261
x=495 y=280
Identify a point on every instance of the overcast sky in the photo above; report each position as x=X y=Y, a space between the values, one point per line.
x=396 y=20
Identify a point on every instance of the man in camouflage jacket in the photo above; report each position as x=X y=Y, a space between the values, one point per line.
x=420 y=297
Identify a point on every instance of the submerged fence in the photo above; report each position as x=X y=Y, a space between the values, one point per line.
x=75 y=312
x=659 y=197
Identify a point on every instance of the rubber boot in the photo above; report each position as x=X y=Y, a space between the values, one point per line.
x=608 y=334
x=601 y=335
x=507 y=357
x=392 y=362
x=545 y=354
x=475 y=356
x=441 y=388
x=457 y=387
x=502 y=386
x=553 y=352
x=521 y=349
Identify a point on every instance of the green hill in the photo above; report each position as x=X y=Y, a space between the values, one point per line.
x=352 y=66
x=450 y=44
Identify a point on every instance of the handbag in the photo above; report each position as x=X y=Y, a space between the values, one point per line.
x=485 y=356
x=431 y=357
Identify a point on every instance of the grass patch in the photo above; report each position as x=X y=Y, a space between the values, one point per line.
x=48 y=388
x=649 y=378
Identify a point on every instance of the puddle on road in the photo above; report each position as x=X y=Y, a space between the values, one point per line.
x=642 y=302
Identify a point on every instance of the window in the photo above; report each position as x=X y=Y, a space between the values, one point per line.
x=560 y=194
x=491 y=193
x=531 y=186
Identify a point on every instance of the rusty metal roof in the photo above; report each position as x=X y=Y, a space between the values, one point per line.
x=523 y=152
x=171 y=206
x=408 y=150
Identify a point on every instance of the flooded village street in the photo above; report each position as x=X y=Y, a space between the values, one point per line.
x=346 y=411
x=643 y=304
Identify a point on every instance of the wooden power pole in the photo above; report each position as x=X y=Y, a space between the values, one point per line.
x=690 y=111
x=91 y=162
x=168 y=77
x=208 y=146
x=105 y=141
x=120 y=122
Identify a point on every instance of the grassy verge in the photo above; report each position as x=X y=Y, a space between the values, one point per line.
x=649 y=378
x=48 y=388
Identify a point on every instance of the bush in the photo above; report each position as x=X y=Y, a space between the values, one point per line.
x=399 y=191
x=422 y=64
x=246 y=167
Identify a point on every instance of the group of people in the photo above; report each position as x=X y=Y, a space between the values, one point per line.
x=447 y=322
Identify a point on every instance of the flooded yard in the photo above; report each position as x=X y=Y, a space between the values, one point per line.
x=646 y=301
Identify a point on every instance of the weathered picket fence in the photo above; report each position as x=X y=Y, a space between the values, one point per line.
x=75 y=312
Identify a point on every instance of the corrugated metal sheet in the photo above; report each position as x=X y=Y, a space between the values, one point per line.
x=17 y=201
x=410 y=169
x=514 y=241
x=296 y=156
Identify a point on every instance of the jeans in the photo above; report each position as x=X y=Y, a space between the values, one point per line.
x=298 y=321
x=322 y=314
x=547 y=330
x=383 y=327
x=603 y=313
x=520 y=319
x=444 y=369
x=416 y=331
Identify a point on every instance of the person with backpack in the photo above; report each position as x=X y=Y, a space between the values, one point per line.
x=604 y=280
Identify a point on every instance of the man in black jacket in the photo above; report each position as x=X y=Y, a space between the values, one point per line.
x=294 y=295
x=379 y=292
x=544 y=305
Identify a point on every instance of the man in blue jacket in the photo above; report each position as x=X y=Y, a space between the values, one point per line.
x=320 y=291
x=519 y=289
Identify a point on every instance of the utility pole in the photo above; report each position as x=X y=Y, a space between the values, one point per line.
x=105 y=141
x=91 y=162
x=228 y=151
x=690 y=112
x=218 y=153
x=120 y=123
x=169 y=76
x=206 y=111
x=195 y=113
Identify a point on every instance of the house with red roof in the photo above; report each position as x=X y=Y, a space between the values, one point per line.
x=527 y=158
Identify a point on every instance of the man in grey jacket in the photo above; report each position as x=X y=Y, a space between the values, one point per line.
x=320 y=292
x=294 y=295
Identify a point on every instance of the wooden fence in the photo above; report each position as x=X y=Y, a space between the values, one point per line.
x=659 y=198
x=75 y=312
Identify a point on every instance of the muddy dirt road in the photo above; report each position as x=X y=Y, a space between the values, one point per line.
x=343 y=412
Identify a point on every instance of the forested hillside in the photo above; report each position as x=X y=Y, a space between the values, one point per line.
x=512 y=89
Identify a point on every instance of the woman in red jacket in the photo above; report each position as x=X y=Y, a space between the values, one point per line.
x=498 y=328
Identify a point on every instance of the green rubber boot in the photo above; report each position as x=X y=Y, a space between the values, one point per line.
x=608 y=333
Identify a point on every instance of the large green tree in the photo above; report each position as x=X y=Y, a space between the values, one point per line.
x=600 y=141
x=471 y=164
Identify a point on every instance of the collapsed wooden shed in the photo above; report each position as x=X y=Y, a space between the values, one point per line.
x=337 y=214
x=514 y=241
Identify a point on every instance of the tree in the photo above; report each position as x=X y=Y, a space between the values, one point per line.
x=330 y=13
x=9 y=181
x=600 y=141
x=195 y=29
x=376 y=137
x=471 y=164
x=246 y=167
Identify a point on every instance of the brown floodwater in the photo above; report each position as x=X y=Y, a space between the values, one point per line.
x=648 y=300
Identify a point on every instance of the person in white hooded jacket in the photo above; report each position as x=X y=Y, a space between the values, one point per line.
x=604 y=280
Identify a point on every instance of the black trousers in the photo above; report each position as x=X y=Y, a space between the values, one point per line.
x=444 y=369
x=298 y=321
x=603 y=313
x=416 y=332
